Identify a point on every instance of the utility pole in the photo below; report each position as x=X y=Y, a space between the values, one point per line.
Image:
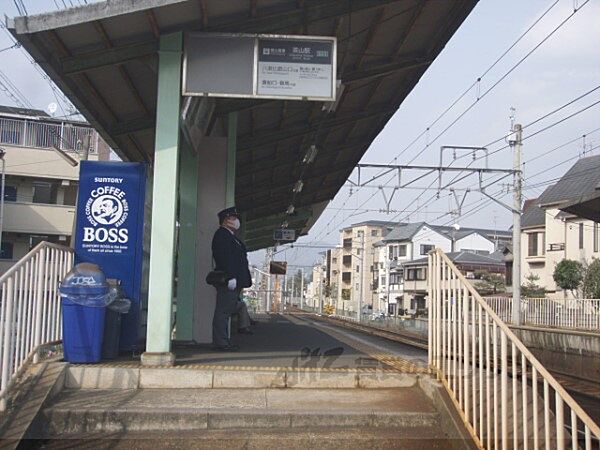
x=302 y=288
x=360 y=290
x=320 y=289
x=2 y=153
x=518 y=184
x=293 y=291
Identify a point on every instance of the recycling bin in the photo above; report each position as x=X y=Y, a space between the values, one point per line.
x=112 y=323
x=84 y=296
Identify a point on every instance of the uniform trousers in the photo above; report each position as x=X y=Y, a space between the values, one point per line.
x=228 y=303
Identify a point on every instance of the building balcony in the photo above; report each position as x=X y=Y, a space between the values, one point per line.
x=36 y=218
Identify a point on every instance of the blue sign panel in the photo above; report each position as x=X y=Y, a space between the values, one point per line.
x=110 y=221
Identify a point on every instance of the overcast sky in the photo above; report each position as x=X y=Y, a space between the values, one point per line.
x=563 y=68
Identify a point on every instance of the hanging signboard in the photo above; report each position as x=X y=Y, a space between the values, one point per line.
x=278 y=267
x=260 y=66
x=284 y=234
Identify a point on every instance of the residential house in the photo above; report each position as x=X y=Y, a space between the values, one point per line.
x=472 y=265
x=407 y=242
x=551 y=230
x=40 y=187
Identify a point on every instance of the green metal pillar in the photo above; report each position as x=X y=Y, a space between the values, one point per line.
x=164 y=202
x=186 y=249
x=231 y=149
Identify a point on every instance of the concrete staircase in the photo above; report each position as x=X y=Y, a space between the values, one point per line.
x=409 y=411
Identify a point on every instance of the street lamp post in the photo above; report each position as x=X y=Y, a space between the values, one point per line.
x=2 y=153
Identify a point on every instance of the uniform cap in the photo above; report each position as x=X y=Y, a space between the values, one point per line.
x=227 y=212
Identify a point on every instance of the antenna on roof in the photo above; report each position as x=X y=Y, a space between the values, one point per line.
x=52 y=107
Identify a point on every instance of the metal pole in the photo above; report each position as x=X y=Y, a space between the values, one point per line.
x=320 y=289
x=2 y=153
x=293 y=286
x=360 y=291
x=518 y=183
x=302 y=289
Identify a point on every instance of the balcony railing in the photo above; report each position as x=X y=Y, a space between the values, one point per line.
x=34 y=134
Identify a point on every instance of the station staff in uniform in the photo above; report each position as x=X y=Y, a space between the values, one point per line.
x=230 y=256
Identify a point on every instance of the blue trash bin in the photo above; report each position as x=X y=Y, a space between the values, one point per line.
x=84 y=293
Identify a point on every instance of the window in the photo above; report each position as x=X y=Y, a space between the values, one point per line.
x=374 y=233
x=543 y=243
x=356 y=286
x=581 y=235
x=532 y=244
x=417 y=274
x=383 y=281
x=347 y=260
x=333 y=260
x=358 y=250
x=348 y=243
x=358 y=268
x=10 y=194
x=346 y=276
x=426 y=248
x=6 y=251
x=402 y=250
x=44 y=192
x=396 y=278
x=397 y=251
x=595 y=236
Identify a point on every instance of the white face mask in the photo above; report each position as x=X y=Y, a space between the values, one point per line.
x=235 y=224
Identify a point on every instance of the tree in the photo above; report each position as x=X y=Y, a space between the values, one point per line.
x=490 y=283
x=531 y=289
x=591 y=281
x=568 y=274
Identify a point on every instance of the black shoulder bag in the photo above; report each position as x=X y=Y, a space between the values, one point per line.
x=217 y=278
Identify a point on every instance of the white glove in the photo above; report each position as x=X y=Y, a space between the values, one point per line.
x=231 y=284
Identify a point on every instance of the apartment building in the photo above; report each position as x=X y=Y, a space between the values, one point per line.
x=413 y=241
x=471 y=265
x=355 y=264
x=40 y=187
x=550 y=234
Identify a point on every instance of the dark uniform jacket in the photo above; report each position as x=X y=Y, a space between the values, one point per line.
x=231 y=256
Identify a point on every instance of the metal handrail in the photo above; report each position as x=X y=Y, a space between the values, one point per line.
x=465 y=336
x=30 y=309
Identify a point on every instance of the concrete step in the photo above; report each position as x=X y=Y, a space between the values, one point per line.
x=189 y=410
x=413 y=438
x=200 y=377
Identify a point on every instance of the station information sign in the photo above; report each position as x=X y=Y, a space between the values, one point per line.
x=260 y=66
x=284 y=234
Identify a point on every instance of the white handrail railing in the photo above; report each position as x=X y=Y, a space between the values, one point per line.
x=506 y=397
x=30 y=309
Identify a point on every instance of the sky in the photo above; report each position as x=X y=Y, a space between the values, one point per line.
x=563 y=68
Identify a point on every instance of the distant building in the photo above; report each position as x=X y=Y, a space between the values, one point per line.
x=471 y=265
x=355 y=264
x=411 y=241
x=41 y=188
x=551 y=230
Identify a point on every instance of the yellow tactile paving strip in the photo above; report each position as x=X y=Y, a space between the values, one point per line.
x=388 y=362
x=400 y=364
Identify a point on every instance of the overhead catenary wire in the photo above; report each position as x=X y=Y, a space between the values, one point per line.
x=502 y=78
x=478 y=80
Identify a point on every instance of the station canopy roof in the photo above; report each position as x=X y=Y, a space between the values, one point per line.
x=104 y=57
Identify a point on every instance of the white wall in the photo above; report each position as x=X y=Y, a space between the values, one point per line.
x=211 y=199
x=427 y=236
x=474 y=241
